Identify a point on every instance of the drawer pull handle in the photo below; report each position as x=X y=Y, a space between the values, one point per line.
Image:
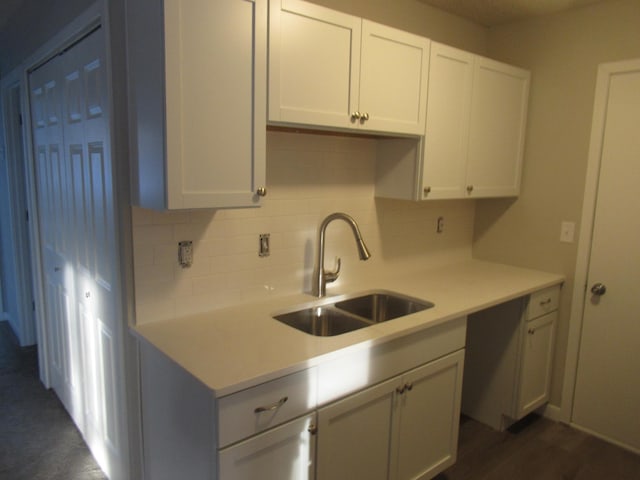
x=270 y=408
x=545 y=302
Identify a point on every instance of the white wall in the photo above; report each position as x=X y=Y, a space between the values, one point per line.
x=308 y=177
x=563 y=52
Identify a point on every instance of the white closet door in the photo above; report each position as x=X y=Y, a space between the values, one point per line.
x=78 y=243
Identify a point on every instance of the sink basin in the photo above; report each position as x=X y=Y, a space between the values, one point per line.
x=322 y=321
x=351 y=313
x=383 y=306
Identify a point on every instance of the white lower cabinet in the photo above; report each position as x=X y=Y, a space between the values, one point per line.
x=388 y=411
x=403 y=428
x=509 y=359
x=286 y=452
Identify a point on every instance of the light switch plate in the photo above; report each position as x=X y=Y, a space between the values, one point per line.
x=567 y=231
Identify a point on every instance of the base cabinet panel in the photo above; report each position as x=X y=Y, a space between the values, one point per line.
x=354 y=435
x=404 y=428
x=509 y=359
x=536 y=359
x=429 y=422
x=283 y=453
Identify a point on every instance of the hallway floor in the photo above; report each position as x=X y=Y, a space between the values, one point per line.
x=537 y=449
x=38 y=438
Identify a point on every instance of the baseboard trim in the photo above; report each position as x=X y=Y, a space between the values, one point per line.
x=552 y=412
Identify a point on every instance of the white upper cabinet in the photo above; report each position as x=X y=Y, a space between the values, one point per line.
x=394 y=72
x=476 y=119
x=474 y=136
x=497 y=129
x=335 y=71
x=445 y=149
x=197 y=84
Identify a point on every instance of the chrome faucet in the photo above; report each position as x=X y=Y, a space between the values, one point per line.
x=321 y=277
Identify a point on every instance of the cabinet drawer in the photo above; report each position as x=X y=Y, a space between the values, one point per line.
x=543 y=301
x=250 y=411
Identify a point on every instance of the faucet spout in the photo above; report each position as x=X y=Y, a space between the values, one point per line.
x=321 y=276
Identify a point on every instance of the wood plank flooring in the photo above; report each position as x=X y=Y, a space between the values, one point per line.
x=38 y=439
x=538 y=449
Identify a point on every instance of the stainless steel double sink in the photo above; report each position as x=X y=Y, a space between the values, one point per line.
x=349 y=313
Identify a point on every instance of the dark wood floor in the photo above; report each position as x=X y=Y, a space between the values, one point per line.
x=538 y=449
x=38 y=439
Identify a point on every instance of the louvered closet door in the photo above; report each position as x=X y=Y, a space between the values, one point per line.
x=78 y=241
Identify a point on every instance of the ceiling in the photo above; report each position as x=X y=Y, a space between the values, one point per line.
x=496 y=12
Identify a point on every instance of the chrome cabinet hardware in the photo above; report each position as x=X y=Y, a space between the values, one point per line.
x=261 y=192
x=407 y=387
x=274 y=406
x=598 y=289
x=313 y=429
x=363 y=117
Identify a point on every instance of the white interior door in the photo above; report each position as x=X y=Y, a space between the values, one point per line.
x=607 y=391
x=70 y=122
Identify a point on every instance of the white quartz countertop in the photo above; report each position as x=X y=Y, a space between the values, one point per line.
x=238 y=347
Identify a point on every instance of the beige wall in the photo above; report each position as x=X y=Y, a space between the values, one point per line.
x=563 y=52
x=415 y=17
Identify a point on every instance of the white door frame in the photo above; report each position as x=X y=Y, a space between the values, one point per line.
x=25 y=322
x=605 y=72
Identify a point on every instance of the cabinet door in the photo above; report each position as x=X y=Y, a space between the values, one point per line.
x=314 y=58
x=427 y=438
x=535 y=370
x=447 y=132
x=197 y=78
x=393 y=79
x=215 y=68
x=284 y=453
x=354 y=435
x=497 y=128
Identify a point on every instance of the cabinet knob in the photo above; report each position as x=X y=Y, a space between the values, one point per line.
x=599 y=289
x=355 y=115
x=409 y=386
x=426 y=191
x=313 y=429
x=261 y=192
x=469 y=188
x=364 y=116
x=531 y=331
x=400 y=390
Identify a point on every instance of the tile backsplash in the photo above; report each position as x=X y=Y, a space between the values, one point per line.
x=308 y=177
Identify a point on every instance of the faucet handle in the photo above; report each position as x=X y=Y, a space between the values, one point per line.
x=332 y=276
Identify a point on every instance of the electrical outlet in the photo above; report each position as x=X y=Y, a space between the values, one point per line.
x=264 y=250
x=567 y=231
x=185 y=253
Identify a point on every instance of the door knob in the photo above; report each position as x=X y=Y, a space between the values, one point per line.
x=598 y=289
